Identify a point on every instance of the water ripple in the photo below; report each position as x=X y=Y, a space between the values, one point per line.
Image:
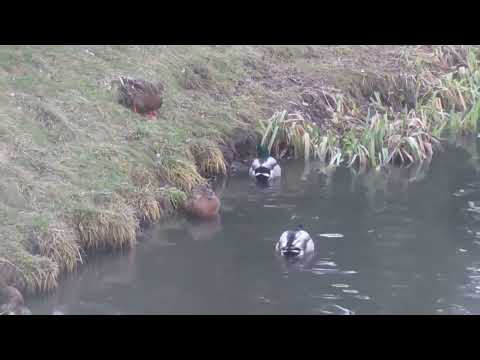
x=340 y=285
x=350 y=291
x=331 y=235
x=333 y=309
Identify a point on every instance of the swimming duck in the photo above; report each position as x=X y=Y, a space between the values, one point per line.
x=295 y=243
x=265 y=167
x=141 y=96
x=204 y=203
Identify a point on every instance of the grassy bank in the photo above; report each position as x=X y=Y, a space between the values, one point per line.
x=381 y=119
x=79 y=172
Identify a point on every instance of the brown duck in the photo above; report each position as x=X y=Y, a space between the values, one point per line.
x=141 y=96
x=204 y=203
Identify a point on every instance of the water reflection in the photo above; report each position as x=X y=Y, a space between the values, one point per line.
x=293 y=263
x=102 y=275
x=204 y=230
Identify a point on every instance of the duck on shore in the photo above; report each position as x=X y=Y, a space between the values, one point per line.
x=141 y=96
x=264 y=168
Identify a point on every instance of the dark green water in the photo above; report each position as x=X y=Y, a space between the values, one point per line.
x=410 y=245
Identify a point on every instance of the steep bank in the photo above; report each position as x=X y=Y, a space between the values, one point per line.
x=80 y=172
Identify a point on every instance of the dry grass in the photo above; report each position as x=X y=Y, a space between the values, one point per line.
x=208 y=157
x=113 y=226
x=58 y=243
x=170 y=199
x=153 y=204
x=146 y=205
x=181 y=172
x=29 y=272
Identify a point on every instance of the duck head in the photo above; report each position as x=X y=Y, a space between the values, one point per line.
x=262 y=152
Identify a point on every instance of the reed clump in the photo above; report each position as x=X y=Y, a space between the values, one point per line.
x=398 y=125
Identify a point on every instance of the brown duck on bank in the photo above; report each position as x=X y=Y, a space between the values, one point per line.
x=203 y=203
x=141 y=96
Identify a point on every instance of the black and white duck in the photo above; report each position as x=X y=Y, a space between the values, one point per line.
x=265 y=167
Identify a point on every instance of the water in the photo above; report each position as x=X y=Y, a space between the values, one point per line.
x=403 y=243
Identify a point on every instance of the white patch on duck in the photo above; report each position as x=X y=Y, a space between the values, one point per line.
x=266 y=170
x=296 y=243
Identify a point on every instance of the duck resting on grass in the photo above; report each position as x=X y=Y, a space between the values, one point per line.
x=265 y=167
x=295 y=243
x=141 y=96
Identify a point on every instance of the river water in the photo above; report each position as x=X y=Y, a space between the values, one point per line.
x=400 y=241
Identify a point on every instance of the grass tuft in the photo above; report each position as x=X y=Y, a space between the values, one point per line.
x=208 y=157
x=113 y=226
x=180 y=172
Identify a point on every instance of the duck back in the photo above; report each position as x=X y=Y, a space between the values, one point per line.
x=140 y=95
